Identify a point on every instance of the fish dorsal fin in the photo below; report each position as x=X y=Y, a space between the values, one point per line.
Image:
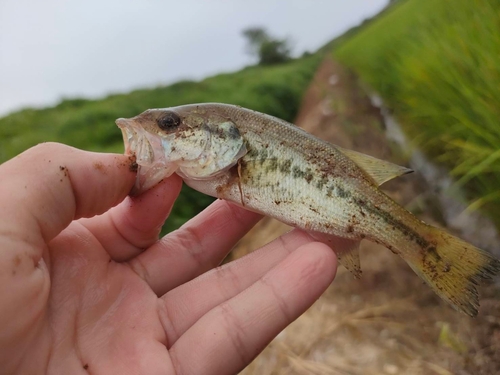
x=379 y=170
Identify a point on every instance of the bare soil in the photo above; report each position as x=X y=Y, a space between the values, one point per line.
x=388 y=322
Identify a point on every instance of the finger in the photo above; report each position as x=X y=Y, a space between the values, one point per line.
x=52 y=184
x=134 y=225
x=183 y=306
x=228 y=337
x=200 y=244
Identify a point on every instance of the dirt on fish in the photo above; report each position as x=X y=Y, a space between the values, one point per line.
x=133 y=166
x=388 y=322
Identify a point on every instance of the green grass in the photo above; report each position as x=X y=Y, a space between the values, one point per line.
x=436 y=63
x=89 y=124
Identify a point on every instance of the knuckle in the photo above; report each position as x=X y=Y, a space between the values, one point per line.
x=282 y=304
x=227 y=280
x=235 y=332
x=189 y=238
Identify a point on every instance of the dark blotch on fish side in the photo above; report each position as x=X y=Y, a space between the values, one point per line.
x=263 y=155
x=286 y=166
x=322 y=182
x=233 y=133
x=272 y=165
x=297 y=172
x=341 y=193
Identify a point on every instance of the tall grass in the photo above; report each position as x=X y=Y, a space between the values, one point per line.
x=437 y=65
x=89 y=124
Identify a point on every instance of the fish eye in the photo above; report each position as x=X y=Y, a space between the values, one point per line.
x=169 y=121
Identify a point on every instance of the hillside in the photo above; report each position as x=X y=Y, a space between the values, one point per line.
x=437 y=66
x=89 y=124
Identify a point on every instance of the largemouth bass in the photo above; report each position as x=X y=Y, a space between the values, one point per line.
x=270 y=166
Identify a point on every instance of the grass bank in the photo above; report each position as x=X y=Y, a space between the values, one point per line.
x=436 y=63
x=89 y=124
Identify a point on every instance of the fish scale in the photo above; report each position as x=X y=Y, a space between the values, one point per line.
x=267 y=165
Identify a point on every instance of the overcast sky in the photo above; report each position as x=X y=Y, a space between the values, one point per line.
x=50 y=49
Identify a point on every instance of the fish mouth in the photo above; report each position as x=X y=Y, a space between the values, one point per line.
x=136 y=142
x=149 y=155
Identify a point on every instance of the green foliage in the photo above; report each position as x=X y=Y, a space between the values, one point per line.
x=89 y=124
x=436 y=63
x=274 y=52
x=266 y=48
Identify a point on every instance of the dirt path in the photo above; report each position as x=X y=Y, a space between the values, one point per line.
x=388 y=322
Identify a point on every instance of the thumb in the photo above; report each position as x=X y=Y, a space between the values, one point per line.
x=43 y=189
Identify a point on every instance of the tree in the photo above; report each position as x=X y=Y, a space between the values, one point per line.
x=267 y=49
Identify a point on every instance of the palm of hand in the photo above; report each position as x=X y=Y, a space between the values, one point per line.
x=103 y=295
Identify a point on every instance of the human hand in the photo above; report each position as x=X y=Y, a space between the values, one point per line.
x=100 y=294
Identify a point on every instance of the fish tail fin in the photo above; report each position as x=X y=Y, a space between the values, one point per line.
x=453 y=268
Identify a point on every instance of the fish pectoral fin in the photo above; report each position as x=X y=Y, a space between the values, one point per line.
x=347 y=251
x=379 y=170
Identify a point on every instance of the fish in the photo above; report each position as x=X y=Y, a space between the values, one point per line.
x=267 y=165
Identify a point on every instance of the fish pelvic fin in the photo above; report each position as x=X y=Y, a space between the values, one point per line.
x=379 y=170
x=347 y=251
x=453 y=268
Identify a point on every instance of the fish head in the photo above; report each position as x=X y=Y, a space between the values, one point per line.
x=193 y=142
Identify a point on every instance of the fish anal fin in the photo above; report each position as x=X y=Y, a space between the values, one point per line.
x=347 y=251
x=350 y=260
x=379 y=170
